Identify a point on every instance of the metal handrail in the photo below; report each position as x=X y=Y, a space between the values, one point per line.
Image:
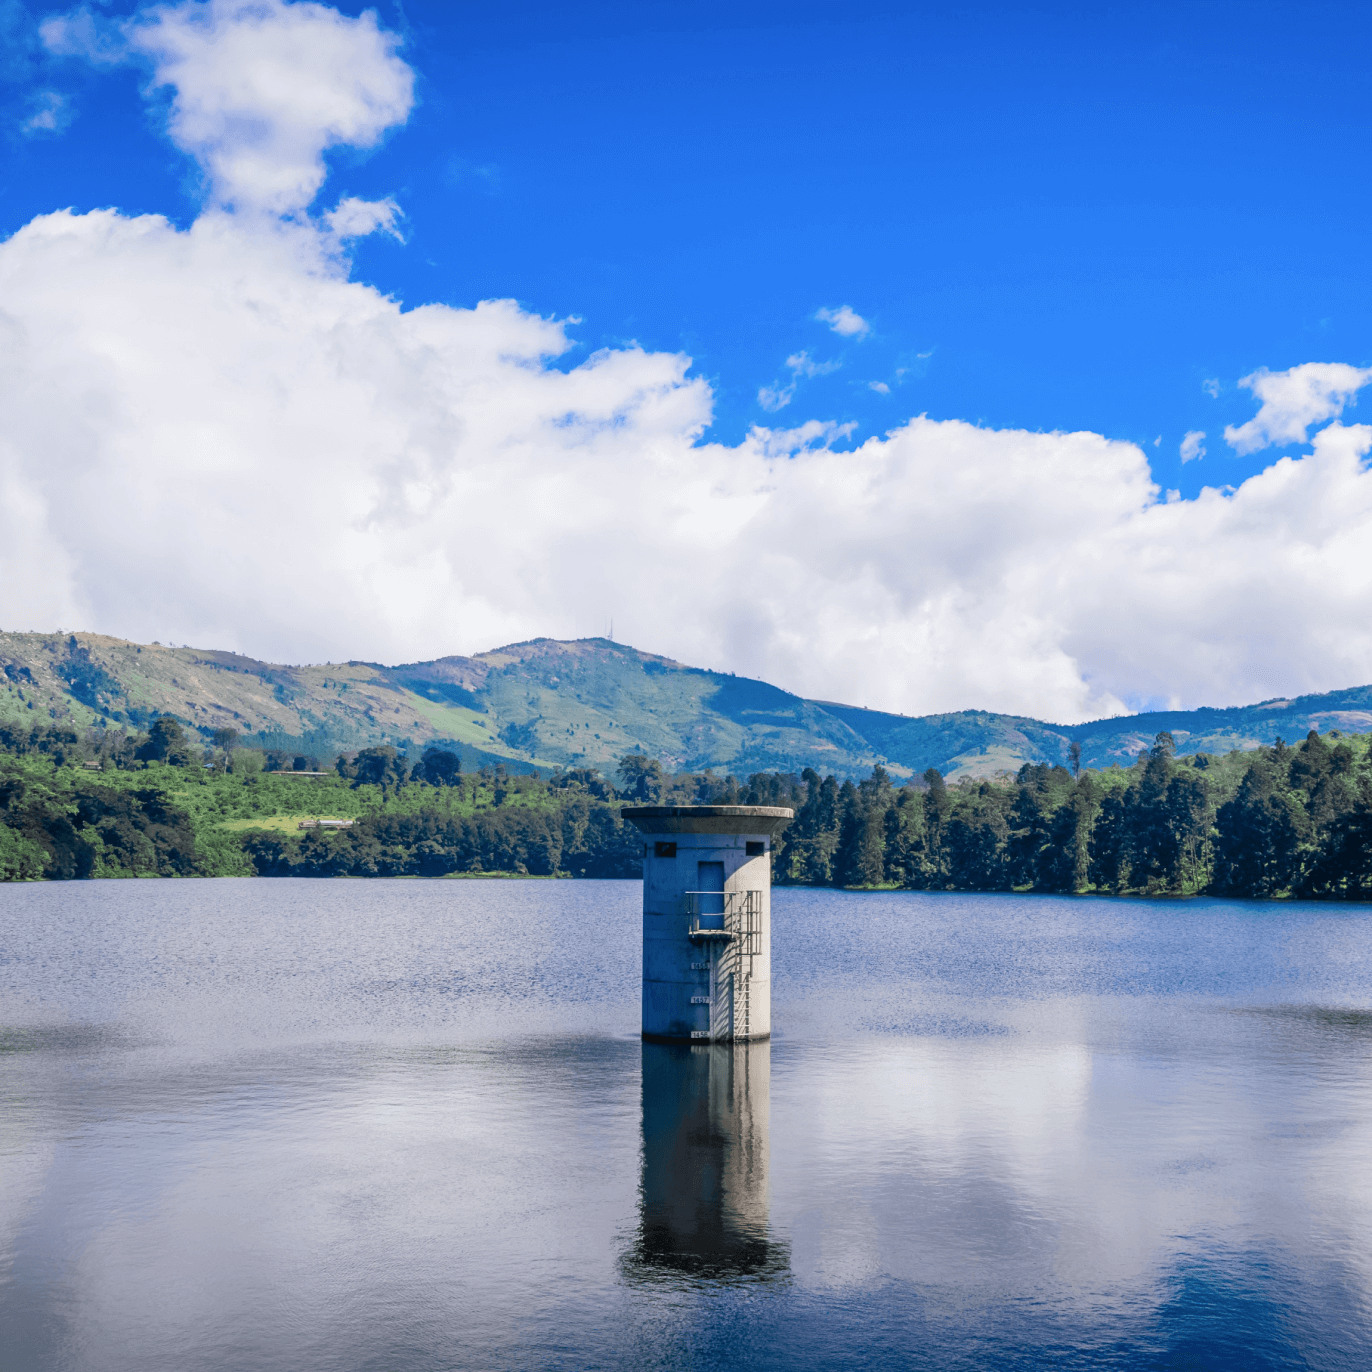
x=741 y=915
x=732 y=951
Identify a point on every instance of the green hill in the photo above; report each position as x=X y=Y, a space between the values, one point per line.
x=550 y=704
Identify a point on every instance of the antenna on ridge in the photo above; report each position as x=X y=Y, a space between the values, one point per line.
x=612 y=629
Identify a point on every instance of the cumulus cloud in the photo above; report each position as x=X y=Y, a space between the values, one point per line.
x=1212 y=387
x=260 y=88
x=353 y=218
x=880 y=387
x=214 y=435
x=1294 y=400
x=1193 y=445
x=844 y=320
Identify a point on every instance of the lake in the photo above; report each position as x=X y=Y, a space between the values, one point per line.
x=402 y=1125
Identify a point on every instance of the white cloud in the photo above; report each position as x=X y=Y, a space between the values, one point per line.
x=778 y=396
x=199 y=418
x=81 y=33
x=51 y=113
x=1193 y=445
x=813 y=434
x=261 y=88
x=880 y=387
x=354 y=218
x=802 y=364
x=1294 y=400
x=1211 y=387
x=844 y=320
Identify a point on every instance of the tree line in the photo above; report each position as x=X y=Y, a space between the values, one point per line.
x=1271 y=822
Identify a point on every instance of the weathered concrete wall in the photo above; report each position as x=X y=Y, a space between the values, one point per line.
x=695 y=988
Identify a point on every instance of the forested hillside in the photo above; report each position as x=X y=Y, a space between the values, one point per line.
x=1274 y=822
x=148 y=805
x=548 y=704
x=1277 y=821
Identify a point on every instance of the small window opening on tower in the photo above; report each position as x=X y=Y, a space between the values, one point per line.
x=756 y=847
x=664 y=849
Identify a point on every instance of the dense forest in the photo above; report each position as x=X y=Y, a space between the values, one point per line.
x=1280 y=821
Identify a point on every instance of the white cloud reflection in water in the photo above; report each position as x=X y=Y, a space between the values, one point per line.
x=347 y=1124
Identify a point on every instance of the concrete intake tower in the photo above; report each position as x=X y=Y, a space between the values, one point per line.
x=707 y=906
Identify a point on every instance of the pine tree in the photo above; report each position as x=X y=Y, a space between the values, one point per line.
x=902 y=840
x=1342 y=866
x=1065 y=862
x=1260 y=831
x=975 y=842
x=937 y=807
x=1029 y=824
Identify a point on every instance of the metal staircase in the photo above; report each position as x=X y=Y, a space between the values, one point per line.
x=732 y=942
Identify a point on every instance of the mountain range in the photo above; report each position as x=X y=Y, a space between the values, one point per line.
x=549 y=703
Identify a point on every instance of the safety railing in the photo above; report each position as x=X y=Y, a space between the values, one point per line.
x=727 y=927
x=726 y=915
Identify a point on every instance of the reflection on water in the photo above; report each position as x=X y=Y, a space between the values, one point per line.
x=405 y=1126
x=704 y=1190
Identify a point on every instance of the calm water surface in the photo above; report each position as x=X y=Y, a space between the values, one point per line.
x=409 y=1125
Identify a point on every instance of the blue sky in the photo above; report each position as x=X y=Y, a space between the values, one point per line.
x=1053 y=216
x=748 y=247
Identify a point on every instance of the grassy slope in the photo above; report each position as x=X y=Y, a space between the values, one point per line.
x=587 y=702
x=270 y=800
x=221 y=808
x=970 y=743
x=1242 y=726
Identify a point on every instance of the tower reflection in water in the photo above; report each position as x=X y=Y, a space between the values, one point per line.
x=704 y=1195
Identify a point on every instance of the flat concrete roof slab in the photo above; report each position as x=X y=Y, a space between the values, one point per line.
x=707 y=819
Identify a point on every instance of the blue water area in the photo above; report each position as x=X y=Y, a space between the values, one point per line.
x=410 y=1125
